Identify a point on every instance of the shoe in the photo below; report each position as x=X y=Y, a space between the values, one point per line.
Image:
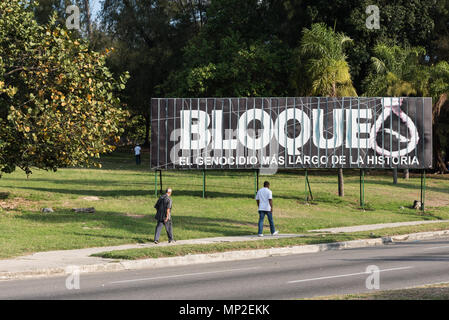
x=170 y=241
x=261 y=235
x=156 y=242
x=275 y=233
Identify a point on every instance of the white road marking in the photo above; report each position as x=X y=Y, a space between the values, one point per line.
x=184 y=275
x=433 y=248
x=348 y=275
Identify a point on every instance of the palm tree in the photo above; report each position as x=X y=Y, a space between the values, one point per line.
x=395 y=71
x=439 y=90
x=398 y=71
x=326 y=65
x=325 y=68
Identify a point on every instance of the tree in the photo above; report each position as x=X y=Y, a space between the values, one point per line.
x=236 y=53
x=439 y=90
x=397 y=72
x=58 y=104
x=325 y=62
x=232 y=68
x=439 y=48
x=44 y=11
x=325 y=66
x=403 y=71
x=148 y=37
x=407 y=22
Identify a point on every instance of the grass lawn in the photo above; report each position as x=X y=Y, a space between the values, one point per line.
x=124 y=213
x=429 y=292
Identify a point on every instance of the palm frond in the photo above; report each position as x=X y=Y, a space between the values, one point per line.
x=379 y=65
x=326 y=64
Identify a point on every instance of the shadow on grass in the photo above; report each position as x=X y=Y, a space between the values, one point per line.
x=319 y=198
x=148 y=192
x=94 y=192
x=75 y=181
x=142 y=192
x=245 y=194
x=144 y=226
x=408 y=185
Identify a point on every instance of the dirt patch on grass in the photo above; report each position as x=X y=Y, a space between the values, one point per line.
x=18 y=203
x=246 y=224
x=135 y=216
x=91 y=198
x=437 y=201
x=92 y=228
x=7 y=206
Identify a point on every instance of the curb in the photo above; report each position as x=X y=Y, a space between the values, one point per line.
x=220 y=256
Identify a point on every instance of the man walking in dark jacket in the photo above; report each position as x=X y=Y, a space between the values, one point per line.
x=163 y=216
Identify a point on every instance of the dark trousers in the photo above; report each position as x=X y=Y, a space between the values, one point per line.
x=270 y=220
x=168 y=228
x=137 y=158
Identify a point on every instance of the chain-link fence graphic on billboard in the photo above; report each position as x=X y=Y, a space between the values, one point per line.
x=309 y=132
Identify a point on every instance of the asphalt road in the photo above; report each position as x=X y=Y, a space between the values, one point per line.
x=400 y=265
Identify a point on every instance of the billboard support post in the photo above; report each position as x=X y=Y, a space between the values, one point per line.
x=423 y=188
x=155 y=183
x=310 y=190
x=257 y=187
x=256 y=181
x=307 y=189
x=362 y=188
x=160 y=178
x=204 y=183
x=305 y=186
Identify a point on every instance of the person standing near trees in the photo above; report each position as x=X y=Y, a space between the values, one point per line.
x=163 y=216
x=264 y=199
x=137 y=150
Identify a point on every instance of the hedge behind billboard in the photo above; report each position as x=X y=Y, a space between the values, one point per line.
x=300 y=132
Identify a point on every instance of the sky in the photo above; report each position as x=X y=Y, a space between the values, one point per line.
x=96 y=6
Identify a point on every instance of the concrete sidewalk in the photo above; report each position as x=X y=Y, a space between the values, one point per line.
x=59 y=263
x=369 y=227
x=55 y=262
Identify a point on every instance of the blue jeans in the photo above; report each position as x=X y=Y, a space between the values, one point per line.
x=270 y=219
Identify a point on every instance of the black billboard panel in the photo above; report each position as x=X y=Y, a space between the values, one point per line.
x=292 y=132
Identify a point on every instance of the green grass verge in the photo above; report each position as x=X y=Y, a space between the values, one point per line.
x=182 y=250
x=124 y=211
x=429 y=292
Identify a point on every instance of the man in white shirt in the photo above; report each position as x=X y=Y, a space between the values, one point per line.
x=264 y=199
x=137 y=154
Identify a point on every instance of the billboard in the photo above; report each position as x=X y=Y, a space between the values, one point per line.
x=296 y=132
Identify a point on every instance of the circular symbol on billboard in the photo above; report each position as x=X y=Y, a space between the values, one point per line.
x=406 y=143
